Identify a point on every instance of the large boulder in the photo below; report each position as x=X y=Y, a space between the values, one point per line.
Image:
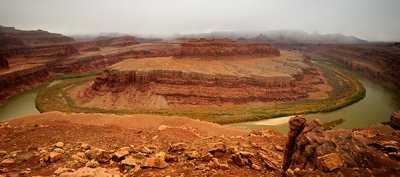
x=395 y=120
x=309 y=146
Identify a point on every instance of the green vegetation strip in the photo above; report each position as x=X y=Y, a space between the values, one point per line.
x=74 y=76
x=346 y=90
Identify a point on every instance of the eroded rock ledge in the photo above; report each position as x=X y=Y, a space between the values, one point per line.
x=217 y=48
x=310 y=147
x=204 y=82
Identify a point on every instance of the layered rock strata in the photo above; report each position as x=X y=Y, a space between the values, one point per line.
x=217 y=48
x=380 y=62
x=12 y=83
x=11 y=37
x=48 y=51
x=204 y=82
x=106 y=42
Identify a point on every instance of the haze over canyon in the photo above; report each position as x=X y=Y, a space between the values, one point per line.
x=199 y=88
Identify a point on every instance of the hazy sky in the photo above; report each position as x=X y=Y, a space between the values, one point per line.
x=367 y=19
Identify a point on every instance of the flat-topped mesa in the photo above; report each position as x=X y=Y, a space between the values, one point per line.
x=213 y=48
x=193 y=81
x=101 y=42
x=11 y=37
x=16 y=43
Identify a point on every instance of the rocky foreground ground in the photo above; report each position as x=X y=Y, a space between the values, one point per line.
x=58 y=144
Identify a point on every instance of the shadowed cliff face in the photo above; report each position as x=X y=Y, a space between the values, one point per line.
x=309 y=146
x=3 y=62
x=214 y=48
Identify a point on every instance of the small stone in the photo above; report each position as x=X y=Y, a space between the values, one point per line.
x=330 y=162
x=207 y=157
x=290 y=172
x=201 y=167
x=59 y=150
x=120 y=154
x=178 y=147
x=279 y=148
x=59 y=144
x=55 y=156
x=237 y=158
x=255 y=167
x=233 y=149
x=171 y=158
x=3 y=153
x=155 y=162
x=297 y=171
x=246 y=154
x=76 y=157
x=216 y=147
x=26 y=171
x=7 y=162
x=214 y=163
x=115 y=146
x=192 y=155
x=92 y=164
x=146 y=150
x=62 y=170
x=129 y=161
x=98 y=154
x=224 y=166
x=269 y=162
x=81 y=155
x=85 y=146
x=162 y=127
x=139 y=155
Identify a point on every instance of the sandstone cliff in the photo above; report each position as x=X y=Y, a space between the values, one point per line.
x=102 y=42
x=12 y=83
x=30 y=38
x=38 y=43
x=217 y=48
x=377 y=61
x=185 y=81
x=309 y=146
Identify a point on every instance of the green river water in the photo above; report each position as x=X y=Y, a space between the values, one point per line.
x=376 y=107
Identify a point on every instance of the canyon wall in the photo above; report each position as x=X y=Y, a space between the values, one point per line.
x=4 y=63
x=48 y=51
x=15 y=82
x=36 y=43
x=193 y=81
x=212 y=48
x=11 y=37
x=380 y=62
x=98 y=43
x=98 y=62
x=201 y=89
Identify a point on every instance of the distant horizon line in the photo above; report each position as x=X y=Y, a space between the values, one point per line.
x=174 y=35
